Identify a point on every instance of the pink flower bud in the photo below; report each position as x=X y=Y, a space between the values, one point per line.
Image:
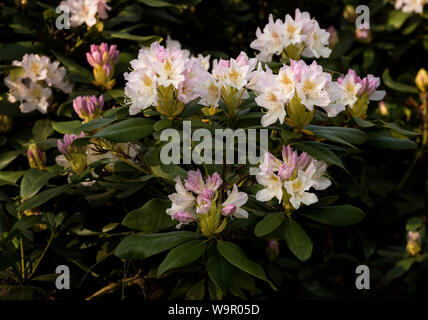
x=66 y=147
x=88 y=107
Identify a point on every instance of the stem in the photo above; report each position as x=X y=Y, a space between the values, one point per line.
x=22 y=258
x=21 y=245
x=43 y=253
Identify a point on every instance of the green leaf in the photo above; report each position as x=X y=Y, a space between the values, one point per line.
x=142 y=246
x=67 y=127
x=145 y=40
x=233 y=253
x=319 y=151
x=339 y=216
x=127 y=130
x=16 y=50
x=10 y=177
x=397 y=85
x=297 y=239
x=75 y=72
x=42 y=197
x=7 y=157
x=42 y=129
x=182 y=255
x=382 y=139
x=395 y=127
x=270 y=223
x=95 y=124
x=346 y=136
x=150 y=217
x=33 y=181
x=220 y=272
x=363 y=123
x=156 y=3
x=396 y=18
x=400 y=268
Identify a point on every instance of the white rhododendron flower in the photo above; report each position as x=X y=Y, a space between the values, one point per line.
x=85 y=11
x=233 y=203
x=33 y=87
x=294 y=176
x=159 y=66
x=348 y=88
x=416 y=6
x=302 y=33
x=309 y=83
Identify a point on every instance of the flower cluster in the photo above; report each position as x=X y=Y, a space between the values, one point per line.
x=32 y=84
x=196 y=200
x=290 y=179
x=298 y=83
x=85 y=11
x=164 y=77
x=88 y=107
x=299 y=36
x=356 y=92
x=416 y=6
x=103 y=58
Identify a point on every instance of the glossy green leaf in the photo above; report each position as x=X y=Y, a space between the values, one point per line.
x=297 y=239
x=127 y=130
x=270 y=223
x=150 y=217
x=142 y=246
x=234 y=254
x=182 y=255
x=33 y=181
x=340 y=216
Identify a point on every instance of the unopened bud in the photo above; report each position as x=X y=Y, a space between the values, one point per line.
x=36 y=157
x=421 y=80
x=5 y=123
x=272 y=250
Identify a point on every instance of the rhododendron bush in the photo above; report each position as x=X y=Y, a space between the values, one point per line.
x=212 y=150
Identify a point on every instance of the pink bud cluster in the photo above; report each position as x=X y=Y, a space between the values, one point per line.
x=65 y=146
x=103 y=56
x=88 y=107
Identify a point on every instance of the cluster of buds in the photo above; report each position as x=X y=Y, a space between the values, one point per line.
x=356 y=92
x=200 y=201
x=36 y=157
x=5 y=123
x=414 y=243
x=289 y=180
x=102 y=59
x=88 y=107
x=74 y=155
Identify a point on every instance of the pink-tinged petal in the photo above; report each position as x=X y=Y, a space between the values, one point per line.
x=184 y=217
x=214 y=182
x=229 y=210
x=195 y=182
